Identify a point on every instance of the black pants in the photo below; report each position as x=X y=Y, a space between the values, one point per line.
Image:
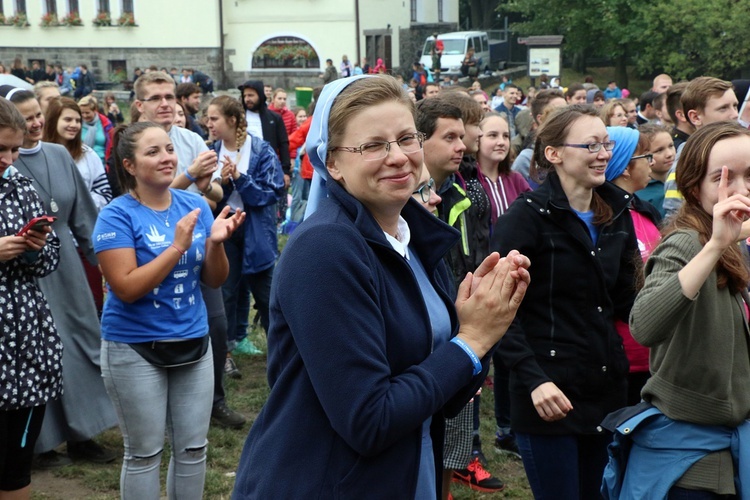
x=217 y=331
x=18 y=435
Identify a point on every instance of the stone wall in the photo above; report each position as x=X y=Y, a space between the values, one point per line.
x=206 y=60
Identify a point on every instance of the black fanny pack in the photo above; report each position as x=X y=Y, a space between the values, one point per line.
x=172 y=354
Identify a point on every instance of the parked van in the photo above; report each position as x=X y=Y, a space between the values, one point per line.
x=456 y=45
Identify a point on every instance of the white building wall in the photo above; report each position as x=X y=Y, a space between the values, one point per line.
x=327 y=25
x=161 y=24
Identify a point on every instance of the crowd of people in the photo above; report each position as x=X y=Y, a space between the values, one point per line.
x=582 y=243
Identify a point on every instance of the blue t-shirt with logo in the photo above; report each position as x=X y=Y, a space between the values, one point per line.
x=175 y=308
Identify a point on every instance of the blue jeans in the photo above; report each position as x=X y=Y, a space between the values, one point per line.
x=564 y=467
x=149 y=401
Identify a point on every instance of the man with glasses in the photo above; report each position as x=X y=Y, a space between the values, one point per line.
x=197 y=167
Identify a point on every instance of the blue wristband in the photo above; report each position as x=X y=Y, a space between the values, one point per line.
x=470 y=352
x=190 y=177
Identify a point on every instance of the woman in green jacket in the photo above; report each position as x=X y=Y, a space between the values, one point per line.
x=692 y=311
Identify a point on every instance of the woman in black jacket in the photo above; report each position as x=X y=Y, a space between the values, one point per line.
x=568 y=367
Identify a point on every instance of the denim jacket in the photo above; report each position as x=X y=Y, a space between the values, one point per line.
x=651 y=452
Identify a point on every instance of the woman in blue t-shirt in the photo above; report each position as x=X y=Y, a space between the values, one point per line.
x=155 y=245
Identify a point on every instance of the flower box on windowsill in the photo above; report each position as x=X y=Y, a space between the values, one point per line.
x=19 y=20
x=102 y=19
x=127 y=20
x=50 y=21
x=72 y=19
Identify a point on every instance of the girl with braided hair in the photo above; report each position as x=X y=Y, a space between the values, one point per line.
x=253 y=181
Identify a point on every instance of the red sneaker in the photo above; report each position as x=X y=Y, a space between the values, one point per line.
x=477 y=478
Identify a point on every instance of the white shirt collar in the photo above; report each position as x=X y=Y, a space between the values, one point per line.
x=400 y=244
x=31 y=151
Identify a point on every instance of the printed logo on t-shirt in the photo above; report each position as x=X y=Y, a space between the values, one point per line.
x=154 y=236
x=106 y=236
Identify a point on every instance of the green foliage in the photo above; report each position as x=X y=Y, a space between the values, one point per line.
x=689 y=38
x=685 y=38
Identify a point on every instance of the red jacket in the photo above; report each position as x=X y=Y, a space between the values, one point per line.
x=296 y=140
x=290 y=121
x=109 y=134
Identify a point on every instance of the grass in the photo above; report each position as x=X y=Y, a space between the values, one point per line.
x=247 y=395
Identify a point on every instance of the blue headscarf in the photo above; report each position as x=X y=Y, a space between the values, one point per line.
x=316 y=144
x=626 y=140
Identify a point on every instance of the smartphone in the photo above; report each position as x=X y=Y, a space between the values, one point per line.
x=37 y=223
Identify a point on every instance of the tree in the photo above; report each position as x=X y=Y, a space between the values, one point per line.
x=685 y=38
x=602 y=28
x=480 y=13
x=689 y=38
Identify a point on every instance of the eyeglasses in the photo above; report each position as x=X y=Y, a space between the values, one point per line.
x=156 y=99
x=648 y=156
x=377 y=150
x=594 y=147
x=424 y=190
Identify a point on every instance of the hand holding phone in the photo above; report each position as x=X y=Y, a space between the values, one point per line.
x=37 y=223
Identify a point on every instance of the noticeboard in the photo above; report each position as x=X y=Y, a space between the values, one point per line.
x=544 y=61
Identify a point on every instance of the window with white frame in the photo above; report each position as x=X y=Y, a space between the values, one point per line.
x=126 y=6
x=73 y=7
x=20 y=6
x=102 y=6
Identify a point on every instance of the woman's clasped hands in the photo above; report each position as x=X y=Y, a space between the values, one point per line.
x=488 y=299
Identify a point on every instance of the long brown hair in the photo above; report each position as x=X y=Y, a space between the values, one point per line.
x=692 y=167
x=232 y=109
x=54 y=112
x=554 y=132
x=504 y=166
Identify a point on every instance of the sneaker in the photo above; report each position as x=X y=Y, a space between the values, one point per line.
x=506 y=443
x=477 y=478
x=223 y=416
x=230 y=369
x=90 y=451
x=50 y=460
x=246 y=347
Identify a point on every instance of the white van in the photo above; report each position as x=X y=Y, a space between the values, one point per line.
x=456 y=45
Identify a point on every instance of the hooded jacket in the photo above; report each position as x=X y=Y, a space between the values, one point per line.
x=274 y=131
